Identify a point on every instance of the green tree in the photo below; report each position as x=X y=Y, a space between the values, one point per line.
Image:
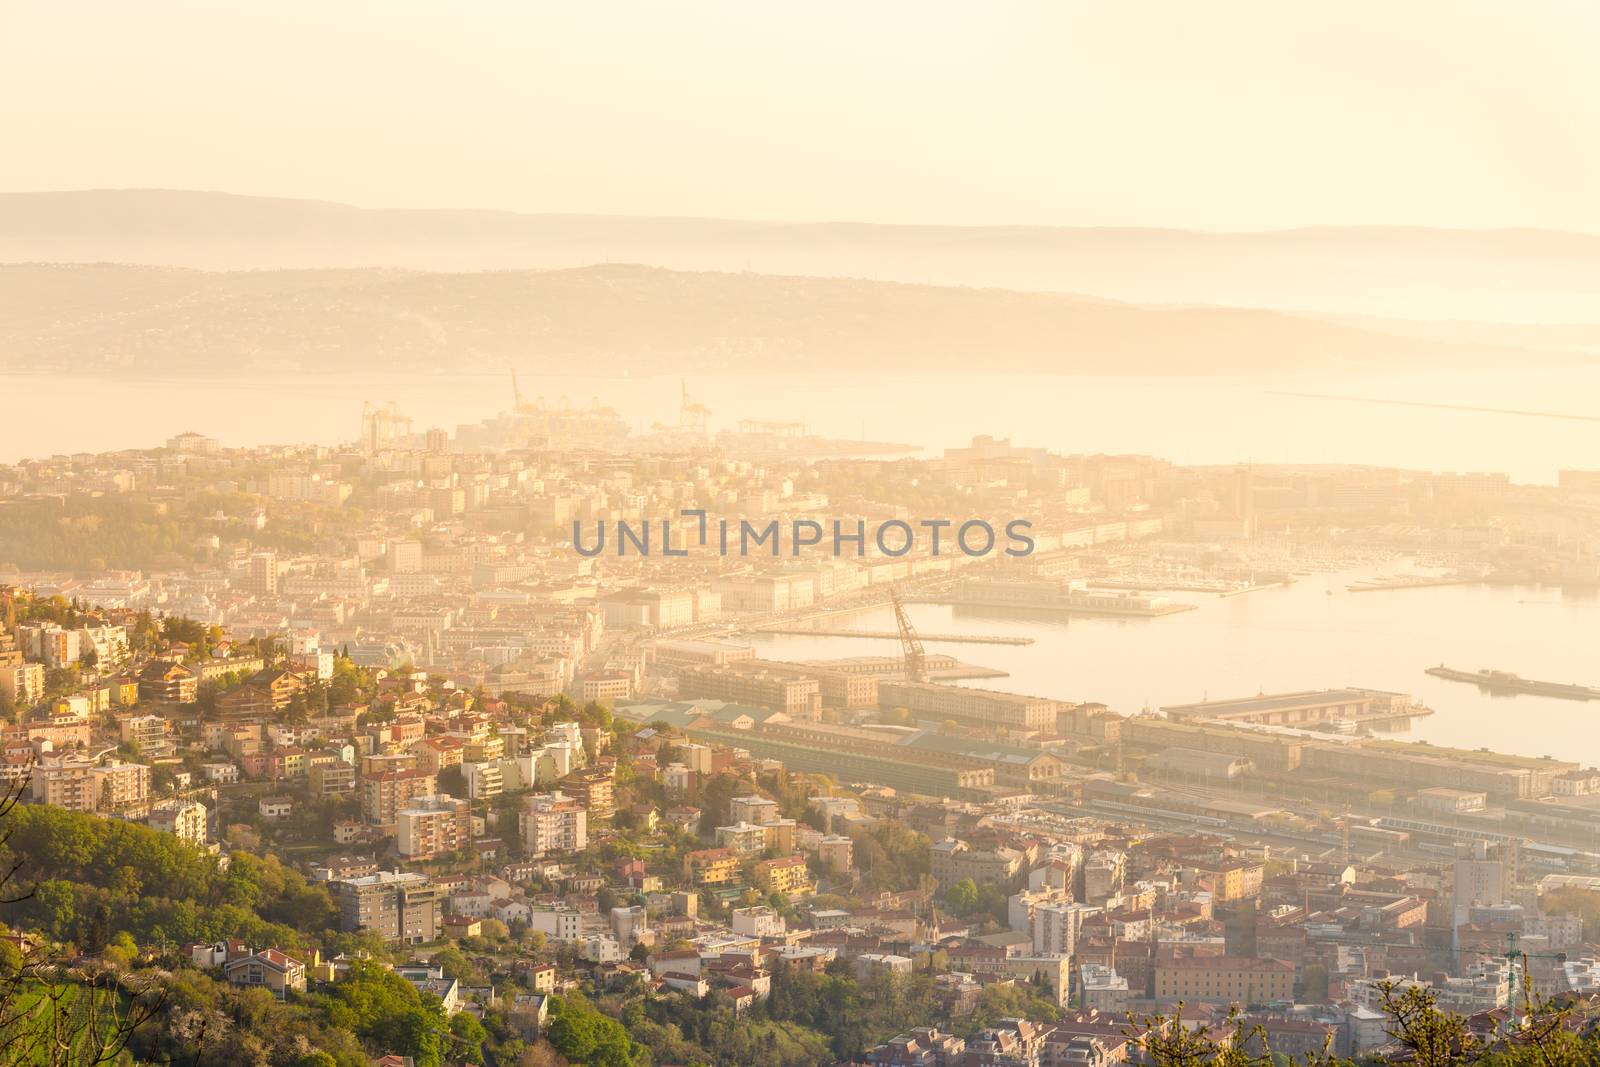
x=55 y=902
x=962 y=897
x=388 y=1011
x=469 y=1037
x=584 y=1036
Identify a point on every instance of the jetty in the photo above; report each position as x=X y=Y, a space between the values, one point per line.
x=894 y=635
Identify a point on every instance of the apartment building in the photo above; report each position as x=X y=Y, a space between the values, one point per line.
x=1225 y=980
x=756 y=809
x=594 y=790
x=51 y=644
x=22 y=684
x=1055 y=926
x=950 y=861
x=263 y=574
x=396 y=906
x=837 y=853
x=1231 y=879
x=385 y=793
x=742 y=839
x=109 y=644
x=149 y=732
x=79 y=784
x=65 y=782
x=1104 y=873
x=553 y=822
x=759 y=921
x=276 y=685
x=430 y=826
x=711 y=866
x=484 y=780
x=184 y=819
x=785 y=874
x=605 y=686
x=330 y=778
x=172 y=683
x=559 y=923
x=122 y=787
x=1102 y=989
x=434 y=754
x=241 y=667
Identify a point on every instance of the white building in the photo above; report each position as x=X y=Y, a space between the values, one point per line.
x=184 y=819
x=1056 y=927
x=484 y=780
x=753 y=809
x=630 y=924
x=1102 y=989
x=553 y=822
x=759 y=921
x=557 y=923
x=275 y=807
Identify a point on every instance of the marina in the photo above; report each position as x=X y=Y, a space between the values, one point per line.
x=1289 y=639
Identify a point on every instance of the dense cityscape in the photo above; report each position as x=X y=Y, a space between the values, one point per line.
x=1039 y=533
x=346 y=754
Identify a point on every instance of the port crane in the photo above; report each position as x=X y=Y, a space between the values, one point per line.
x=915 y=667
x=518 y=404
x=692 y=415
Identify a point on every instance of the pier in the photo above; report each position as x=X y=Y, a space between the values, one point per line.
x=1504 y=682
x=1378 y=585
x=1220 y=587
x=893 y=635
x=1251 y=589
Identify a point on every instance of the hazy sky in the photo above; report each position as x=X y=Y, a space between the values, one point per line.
x=1221 y=115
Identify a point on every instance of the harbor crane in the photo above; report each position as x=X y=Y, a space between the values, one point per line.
x=692 y=415
x=518 y=404
x=915 y=667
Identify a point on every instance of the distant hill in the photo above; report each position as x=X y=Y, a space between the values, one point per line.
x=137 y=320
x=1501 y=275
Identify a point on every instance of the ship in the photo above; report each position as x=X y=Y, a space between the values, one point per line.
x=1504 y=683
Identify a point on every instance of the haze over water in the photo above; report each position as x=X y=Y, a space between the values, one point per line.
x=1188 y=421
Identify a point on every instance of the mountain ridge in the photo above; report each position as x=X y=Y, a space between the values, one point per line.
x=143 y=320
x=224 y=196
x=1508 y=275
